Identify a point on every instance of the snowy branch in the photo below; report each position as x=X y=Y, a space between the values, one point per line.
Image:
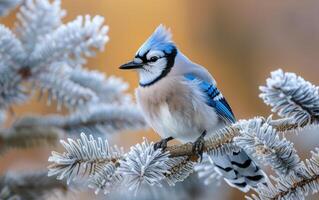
x=292 y=97
x=109 y=165
x=36 y=19
x=109 y=90
x=144 y=165
x=29 y=186
x=49 y=55
x=86 y=154
x=222 y=141
x=63 y=90
x=99 y=119
x=70 y=42
x=294 y=186
x=261 y=140
x=30 y=137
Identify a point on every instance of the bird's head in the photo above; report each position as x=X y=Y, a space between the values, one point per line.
x=155 y=58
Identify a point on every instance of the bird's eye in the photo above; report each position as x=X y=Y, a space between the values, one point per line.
x=153 y=59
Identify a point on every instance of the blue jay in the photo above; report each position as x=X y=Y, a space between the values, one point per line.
x=179 y=100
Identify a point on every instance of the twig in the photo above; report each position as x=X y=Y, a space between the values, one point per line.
x=229 y=133
x=303 y=182
x=210 y=144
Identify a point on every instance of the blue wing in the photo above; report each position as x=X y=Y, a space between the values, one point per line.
x=214 y=99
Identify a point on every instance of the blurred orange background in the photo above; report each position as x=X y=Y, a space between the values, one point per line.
x=239 y=42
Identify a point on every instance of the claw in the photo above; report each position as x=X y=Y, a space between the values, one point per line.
x=163 y=143
x=198 y=147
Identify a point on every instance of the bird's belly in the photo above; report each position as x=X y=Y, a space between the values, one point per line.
x=185 y=125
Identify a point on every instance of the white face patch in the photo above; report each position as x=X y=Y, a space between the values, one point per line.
x=152 y=70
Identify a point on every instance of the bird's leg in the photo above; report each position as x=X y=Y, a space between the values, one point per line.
x=163 y=143
x=198 y=146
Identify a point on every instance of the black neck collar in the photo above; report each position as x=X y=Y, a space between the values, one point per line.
x=170 y=63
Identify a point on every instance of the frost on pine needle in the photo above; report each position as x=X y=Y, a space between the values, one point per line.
x=105 y=119
x=106 y=179
x=292 y=97
x=296 y=185
x=223 y=140
x=179 y=169
x=98 y=119
x=69 y=45
x=11 y=49
x=206 y=171
x=72 y=42
x=11 y=90
x=11 y=54
x=261 y=140
x=63 y=90
x=109 y=89
x=7 y=5
x=143 y=164
x=36 y=19
x=82 y=156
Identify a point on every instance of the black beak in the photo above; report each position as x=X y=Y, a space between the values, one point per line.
x=131 y=65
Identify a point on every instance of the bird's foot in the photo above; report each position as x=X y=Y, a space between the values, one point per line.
x=198 y=146
x=162 y=144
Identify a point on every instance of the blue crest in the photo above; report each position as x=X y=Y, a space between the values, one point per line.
x=161 y=40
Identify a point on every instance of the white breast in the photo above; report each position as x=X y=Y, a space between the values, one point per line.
x=179 y=111
x=174 y=124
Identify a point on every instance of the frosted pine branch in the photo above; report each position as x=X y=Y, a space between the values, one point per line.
x=219 y=144
x=30 y=137
x=108 y=89
x=98 y=119
x=179 y=168
x=12 y=49
x=261 y=140
x=81 y=87
x=110 y=166
x=222 y=141
x=11 y=54
x=82 y=157
x=36 y=19
x=141 y=164
x=292 y=97
x=294 y=186
x=71 y=42
x=145 y=165
x=44 y=52
x=106 y=179
x=35 y=186
x=11 y=89
x=63 y=90
x=104 y=119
